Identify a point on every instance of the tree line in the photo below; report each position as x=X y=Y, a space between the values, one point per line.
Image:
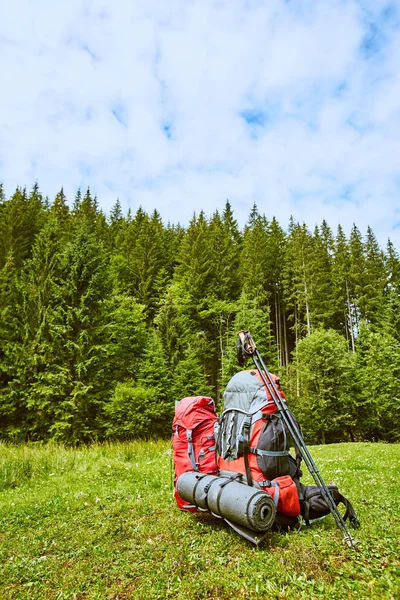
x=107 y=320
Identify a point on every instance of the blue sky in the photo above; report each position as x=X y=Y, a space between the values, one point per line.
x=183 y=104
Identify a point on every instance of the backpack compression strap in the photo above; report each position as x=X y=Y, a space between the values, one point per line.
x=244 y=447
x=350 y=513
x=189 y=436
x=268 y=452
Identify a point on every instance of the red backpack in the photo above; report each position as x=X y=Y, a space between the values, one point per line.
x=193 y=440
x=254 y=442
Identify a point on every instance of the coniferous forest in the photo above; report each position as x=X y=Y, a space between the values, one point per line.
x=107 y=320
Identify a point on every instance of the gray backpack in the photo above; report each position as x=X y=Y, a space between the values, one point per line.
x=252 y=438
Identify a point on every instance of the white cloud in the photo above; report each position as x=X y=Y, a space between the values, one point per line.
x=146 y=101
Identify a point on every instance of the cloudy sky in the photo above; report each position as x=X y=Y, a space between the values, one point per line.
x=181 y=104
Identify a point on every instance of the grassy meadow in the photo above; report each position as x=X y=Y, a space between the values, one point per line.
x=100 y=522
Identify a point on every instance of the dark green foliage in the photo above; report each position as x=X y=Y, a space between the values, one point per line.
x=391 y=300
x=21 y=218
x=136 y=411
x=139 y=261
x=254 y=258
x=297 y=278
x=325 y=407
x=189 y=377
x=125 y=337
x=12 y=409
x=342 y=291
x=101 y=316
x=276 y=247
x=378 y=381
x=321 y=297
x=249 y=315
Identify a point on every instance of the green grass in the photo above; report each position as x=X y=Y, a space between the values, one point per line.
x=100 y=522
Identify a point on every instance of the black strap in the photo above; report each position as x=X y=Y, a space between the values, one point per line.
x=268 y=452
x=221 y=486
x=296 y=448
x=189 y=437
x=350 y=512
x=245 y=441
x=204 y=497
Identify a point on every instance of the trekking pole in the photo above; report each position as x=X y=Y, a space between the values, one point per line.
x=249 y=348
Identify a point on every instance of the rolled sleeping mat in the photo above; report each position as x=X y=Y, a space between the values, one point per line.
x=247 y=506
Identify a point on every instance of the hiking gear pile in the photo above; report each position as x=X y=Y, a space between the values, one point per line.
x=235 y=465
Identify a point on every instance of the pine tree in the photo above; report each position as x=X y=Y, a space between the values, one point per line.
x=254 y=258
x=276 y=247
x=326 y=372
x=219 y=300
x=42 y=376
x=77 y=202
x=297 y=280
x=189 y=377
x=21 y=218
x=140 y=264
x=377 y=378
x=358 y=276
x=117 y=223
x=391 y=302
x=173 y=324
x=224 y=256
x=194 y=268
x=60 y=211
x=149 y=265
x=172 y=239
x=84 y=287
x=13 y=411
x=342 y=289
x=376 y=280
x=321 y=296
x=249 y=316
x=233 y=247
x=125 y=338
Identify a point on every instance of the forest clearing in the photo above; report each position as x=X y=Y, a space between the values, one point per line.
x=100 y=522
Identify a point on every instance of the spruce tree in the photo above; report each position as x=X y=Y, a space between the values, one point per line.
x=342 y=289
x=377 y=378
x=376 y=280
x=391 y=302
x=61 y=213
x=321 y=293
x=297 y=280
x=275 y=250
x=13 y=411
x=21 y=218
x=250 y=316
x=326 y=372
x=42 y=375
x=84 y=287
x=254 y=258
x=358 y=276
